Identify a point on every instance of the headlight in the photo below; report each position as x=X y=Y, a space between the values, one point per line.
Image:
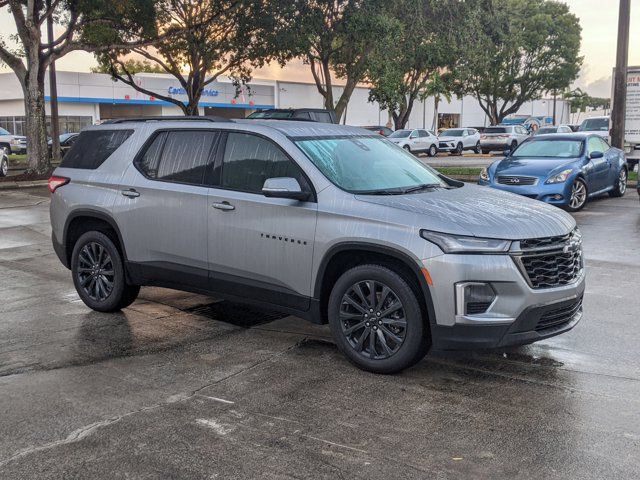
x=560 y=177
x=484 y=174
x=461 y=244
x=15 y=141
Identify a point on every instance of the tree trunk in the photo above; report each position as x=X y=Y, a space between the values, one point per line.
x=191 y=108
x=36 y=126
x=436 y=102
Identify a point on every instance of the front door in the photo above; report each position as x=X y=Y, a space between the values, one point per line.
x=259 y=248
x=599 y=167
x=163 y=206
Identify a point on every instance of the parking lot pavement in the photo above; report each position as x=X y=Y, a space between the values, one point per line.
x=466 y=160
x=174 y=387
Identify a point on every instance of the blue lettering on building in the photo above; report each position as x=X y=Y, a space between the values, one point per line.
x=207 y=92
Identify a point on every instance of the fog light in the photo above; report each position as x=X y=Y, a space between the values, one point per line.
x=556 y=197
x=473 y=298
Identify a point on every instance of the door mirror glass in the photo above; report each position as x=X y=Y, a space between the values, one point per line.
x=596 y=154
x=283 y=187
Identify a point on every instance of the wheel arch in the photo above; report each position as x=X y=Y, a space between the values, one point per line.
x=343 y=256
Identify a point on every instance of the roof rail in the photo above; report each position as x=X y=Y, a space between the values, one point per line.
x=173 y=118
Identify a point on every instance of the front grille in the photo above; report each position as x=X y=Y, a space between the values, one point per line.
x=559 y=317
x=516 y=181
x=551 y=262
x=444 y=145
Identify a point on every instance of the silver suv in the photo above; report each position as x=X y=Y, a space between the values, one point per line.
x=330 y=223
x=502 y=137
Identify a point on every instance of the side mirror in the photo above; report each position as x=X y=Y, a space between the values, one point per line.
x=507 y=152
x=596 y=154
x=284 y=187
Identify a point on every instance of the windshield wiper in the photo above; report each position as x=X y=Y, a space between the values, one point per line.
x=424 y=186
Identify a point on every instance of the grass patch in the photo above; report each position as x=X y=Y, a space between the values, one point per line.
x=475 y=171
x=633 y=176
x=18 y=159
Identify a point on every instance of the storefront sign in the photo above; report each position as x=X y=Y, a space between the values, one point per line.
x=207 y=92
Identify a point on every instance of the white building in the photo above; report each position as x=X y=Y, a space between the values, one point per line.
x=87 y=98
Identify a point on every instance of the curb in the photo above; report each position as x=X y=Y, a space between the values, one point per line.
x=20 y=185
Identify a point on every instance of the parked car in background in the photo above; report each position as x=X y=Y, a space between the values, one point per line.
x=4 y=163
x=381 y=129
x=416 y=140
x=311 y=114
x=456 y=140
x=554 y=129
x=331 y=223
x=574 y=127
x=502 y=137
x=66 y=142
x=596 y=125
x=561 y=169
x=12 y=143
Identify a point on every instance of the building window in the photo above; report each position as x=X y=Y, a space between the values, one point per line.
x=448 y=120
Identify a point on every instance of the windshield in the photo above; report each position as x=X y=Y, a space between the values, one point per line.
x=495 y=130
x=452 y=132
x=271 y=114
x=4 y=132
x=595 y=125
x=543 y=130
x=368 y=165
x=549 y=149
x=400 y=134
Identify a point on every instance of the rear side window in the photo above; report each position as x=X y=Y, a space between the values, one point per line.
x=179 y=156
x=249 y=160
x=93 y=147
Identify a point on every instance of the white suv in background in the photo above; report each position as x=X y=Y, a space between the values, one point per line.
x=12 y=143
x=417 y=140
x=455 y=140
x=502 y=137
x=596 y=125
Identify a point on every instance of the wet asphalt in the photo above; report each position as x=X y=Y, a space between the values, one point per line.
x=162 y=391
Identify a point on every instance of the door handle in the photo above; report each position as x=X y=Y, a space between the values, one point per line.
x=226 y=206
x=131 y=193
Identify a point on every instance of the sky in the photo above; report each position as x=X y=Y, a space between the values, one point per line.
x=598 y=18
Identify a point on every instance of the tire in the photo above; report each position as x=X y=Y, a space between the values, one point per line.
x=477 y=148
x=579 y=205
x=458 y=150
x=352 y=328
x=485 y=151
x=407 y=148
x=4 y=166
x=98 y=274
x=621 y=185
x=433 y=151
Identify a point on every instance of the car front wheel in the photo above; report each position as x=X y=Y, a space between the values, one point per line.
x=98 y=274
x=4 y=166
x=376 y=320
x=433 y=151
x=579 y=195
x=621 y=184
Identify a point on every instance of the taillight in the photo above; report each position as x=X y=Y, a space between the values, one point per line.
x=56 y=182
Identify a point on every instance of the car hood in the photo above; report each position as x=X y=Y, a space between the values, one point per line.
x=449 y=139
x=397 y=140
x=533 y=167
x=478 y=211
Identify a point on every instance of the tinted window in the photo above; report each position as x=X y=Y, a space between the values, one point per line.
x=180 y=156
x=93 y=147
x=595 y=125
x=249 y=160
x=423 y=133
x=322 y=117
x=495 y=130
x=400 y=134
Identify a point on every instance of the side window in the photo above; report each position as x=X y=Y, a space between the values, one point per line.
x=249 y=160
x=604 y=145
x=414 y=134
x=322 y=117
x=423 y=133
x=594 y=145
x=179 y=156
x=93 y=147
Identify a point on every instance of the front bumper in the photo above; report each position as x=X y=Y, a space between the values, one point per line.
x=519 y=314
x=557 y=194
x=18 y=148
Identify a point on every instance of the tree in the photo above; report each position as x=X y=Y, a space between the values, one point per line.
x=340 y=36
x=440 y=85
x=579 y=101
x=120 y=22
x=425 y=46
x=203 y=40
x=133 y=66
x=518 y=50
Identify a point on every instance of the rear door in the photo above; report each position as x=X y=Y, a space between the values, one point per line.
x=259 y=248
x=162 y=209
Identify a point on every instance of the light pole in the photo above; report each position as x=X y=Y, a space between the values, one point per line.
x=618 y=111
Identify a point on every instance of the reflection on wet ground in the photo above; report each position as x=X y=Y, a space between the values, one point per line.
x=169 y=389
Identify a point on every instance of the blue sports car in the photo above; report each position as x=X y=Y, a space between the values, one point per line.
x=563 y=170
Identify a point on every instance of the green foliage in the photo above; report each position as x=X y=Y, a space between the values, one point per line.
x=201 y=40
x=518 y=50
x=133 y=66
x=415 y=64
x=579 y=101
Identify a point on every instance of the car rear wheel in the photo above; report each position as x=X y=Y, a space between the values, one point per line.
x=98 y=274
x=376 y=320
x=485 y=151
x=621 y=184
x=4 y=166
x=579 y=195
x=407 y=148
x=433 y=151
x=477 y=147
